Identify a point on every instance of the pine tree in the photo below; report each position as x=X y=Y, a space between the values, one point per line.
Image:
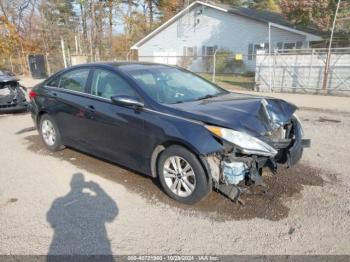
x=316 y=13
x=268 y=5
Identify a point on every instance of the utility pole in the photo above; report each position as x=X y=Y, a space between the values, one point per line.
x=214 y=65
x=93 y=31
x=270 y=64
x=76 y=44
x=328 y=58
x=47 y=63
x=64 y=56
x=79 y=44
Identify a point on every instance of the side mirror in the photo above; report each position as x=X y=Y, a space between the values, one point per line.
x=128 y=101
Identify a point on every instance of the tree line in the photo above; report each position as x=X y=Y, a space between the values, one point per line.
x=105 y=29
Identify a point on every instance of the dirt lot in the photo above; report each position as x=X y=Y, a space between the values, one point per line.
x=308 y=213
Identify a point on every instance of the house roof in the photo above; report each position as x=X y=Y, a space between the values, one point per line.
x=274 y=19
x=266 y=17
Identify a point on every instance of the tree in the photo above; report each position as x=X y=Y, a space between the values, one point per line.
x=17 y=31
x=268 y=5
x=150 y=5
x=60 y=13
x=169 y=8
x=9 y=38
x=59 y=20
x=83 y=7
x=231 y=2
x=110 y=5
x=317 y=13
x=343 y=18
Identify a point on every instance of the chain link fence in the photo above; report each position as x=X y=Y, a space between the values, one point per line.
x=227 y=68
x=288 y=70
x=294 y=70
x=303 y=71
x=19 y=64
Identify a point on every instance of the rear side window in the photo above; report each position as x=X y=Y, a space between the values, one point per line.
x=107 y=84
x=75 y=80
x=54 y=82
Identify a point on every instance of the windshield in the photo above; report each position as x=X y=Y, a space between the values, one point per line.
x=169 y=85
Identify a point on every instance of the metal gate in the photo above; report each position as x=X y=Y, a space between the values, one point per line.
x=37 y=66
x=302 y=70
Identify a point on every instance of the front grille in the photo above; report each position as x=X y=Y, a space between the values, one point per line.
x=7 y=105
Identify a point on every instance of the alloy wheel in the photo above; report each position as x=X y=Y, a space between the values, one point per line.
x=179 y=176
x=48 y=132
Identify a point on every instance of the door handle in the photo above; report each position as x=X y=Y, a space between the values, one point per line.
x=90 y=111
x=91 y=107
x=54 y=94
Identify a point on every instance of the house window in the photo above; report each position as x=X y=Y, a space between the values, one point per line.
x=253 y=48
x=258 y=47
x=289 y=46
x=209 y=50
x=299 y=44
x=250 y=52
x=266 y=46
x=190 y=51
x=280 y=45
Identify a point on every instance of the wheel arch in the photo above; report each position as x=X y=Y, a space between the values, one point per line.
x=161 y=147
x=40 y=114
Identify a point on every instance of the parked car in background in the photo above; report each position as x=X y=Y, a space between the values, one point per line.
x=12 y=94
x=168 y=123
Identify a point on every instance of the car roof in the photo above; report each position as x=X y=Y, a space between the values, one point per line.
x=123 y=66
x=128 y=65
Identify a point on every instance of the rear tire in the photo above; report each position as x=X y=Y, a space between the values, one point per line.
x=188 y=184
x=50 y=134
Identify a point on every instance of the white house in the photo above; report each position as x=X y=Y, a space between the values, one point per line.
x=202 y=27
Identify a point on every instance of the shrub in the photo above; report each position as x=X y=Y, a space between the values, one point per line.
x=224 y=61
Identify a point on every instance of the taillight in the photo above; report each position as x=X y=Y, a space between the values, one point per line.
x=32 y=94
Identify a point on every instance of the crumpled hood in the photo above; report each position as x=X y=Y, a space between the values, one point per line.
x=10 y=94
x=7 y=95
x=253 y=114
x=6 y=78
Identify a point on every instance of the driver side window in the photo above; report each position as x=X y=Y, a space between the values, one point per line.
x=107 y=84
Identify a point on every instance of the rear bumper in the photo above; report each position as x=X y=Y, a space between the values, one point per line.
x=33 y=112
x=13 y=108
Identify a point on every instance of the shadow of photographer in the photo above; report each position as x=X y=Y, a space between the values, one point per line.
x=79 y=219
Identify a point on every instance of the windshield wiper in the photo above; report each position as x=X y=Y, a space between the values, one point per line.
x=205 y=97
x=177 y=102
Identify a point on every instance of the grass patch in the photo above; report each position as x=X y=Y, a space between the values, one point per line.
x=240 y=81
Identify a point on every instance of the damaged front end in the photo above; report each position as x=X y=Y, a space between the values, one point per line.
x=12 y=96
x=241 y=162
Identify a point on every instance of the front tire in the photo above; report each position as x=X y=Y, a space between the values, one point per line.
x=182 y=176
x=50 y=134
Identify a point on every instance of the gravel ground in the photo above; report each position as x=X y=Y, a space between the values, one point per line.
x=44 y=200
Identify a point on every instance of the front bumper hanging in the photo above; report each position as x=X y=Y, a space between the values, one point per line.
x=232 y=173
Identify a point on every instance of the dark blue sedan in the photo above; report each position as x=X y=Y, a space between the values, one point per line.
x=168 y=123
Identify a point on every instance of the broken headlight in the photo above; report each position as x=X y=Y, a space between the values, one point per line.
x=246 y=143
